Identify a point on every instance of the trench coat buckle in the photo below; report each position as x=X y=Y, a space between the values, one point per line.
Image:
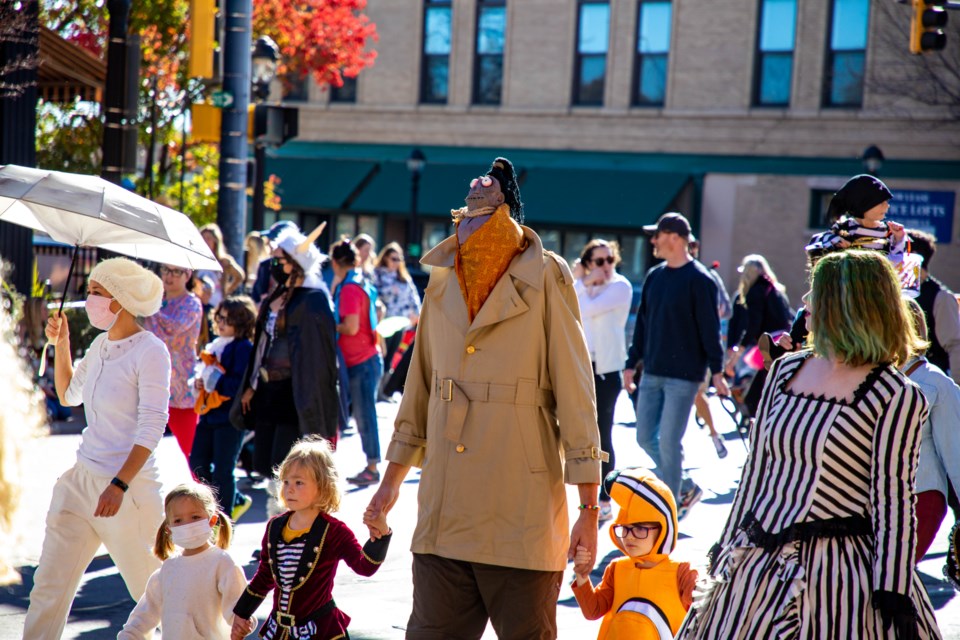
x=446 y=389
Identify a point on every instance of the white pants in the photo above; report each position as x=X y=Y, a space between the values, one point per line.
x=73 y=536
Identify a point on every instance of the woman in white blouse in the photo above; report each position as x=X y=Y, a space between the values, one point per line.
x=112 y=494
x=604 y=298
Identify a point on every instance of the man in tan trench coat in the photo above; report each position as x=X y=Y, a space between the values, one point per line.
x=499 y=412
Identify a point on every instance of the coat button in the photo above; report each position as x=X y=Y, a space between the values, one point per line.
x=460 y=448
x=471 y=349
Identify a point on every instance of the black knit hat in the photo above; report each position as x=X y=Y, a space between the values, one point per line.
x=502 y=170
x=859 y=195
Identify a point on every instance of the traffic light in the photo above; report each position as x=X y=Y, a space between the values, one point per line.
x=205 y=29
x=926 y=26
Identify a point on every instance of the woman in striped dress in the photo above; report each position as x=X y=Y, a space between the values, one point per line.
x=820 y=540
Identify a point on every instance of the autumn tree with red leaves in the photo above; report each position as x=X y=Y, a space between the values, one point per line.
x=324 y=38
x=328 y=39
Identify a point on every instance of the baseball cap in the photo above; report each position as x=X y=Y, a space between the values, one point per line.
x=278 y=228
x=671 y=223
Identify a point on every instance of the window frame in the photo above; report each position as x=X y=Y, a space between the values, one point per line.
x=830 y=60
x=760 y=54
x=425 y=57
x=579 y=57
x=478 y=57
x=638 y=57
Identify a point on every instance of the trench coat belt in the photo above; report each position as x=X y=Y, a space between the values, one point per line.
x=456 y=396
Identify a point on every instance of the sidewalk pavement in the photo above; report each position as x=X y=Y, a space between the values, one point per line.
x=380 y=605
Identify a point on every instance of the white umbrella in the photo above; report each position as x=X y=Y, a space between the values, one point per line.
x=89 y=211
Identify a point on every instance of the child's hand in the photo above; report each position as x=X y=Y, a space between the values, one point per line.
x=897 y=231
x=242 y=627
x=785 y=342
x=376 y=522
x=582 y=564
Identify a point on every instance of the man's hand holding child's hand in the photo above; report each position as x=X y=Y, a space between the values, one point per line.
x=376 y=522
x=582 y=565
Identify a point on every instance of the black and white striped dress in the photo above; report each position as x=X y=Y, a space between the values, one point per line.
x=823 y=519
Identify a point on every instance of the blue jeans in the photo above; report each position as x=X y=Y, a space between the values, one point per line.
x=213 y=458
x=663 y=411
x=364 y=382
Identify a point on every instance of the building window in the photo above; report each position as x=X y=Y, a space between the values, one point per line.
x=653 y=47
x=773 y=74
x=846 y=55
x=434 y=80
x=819 y=207
x=593 y=36
x=346 y=93
x=295 y=87
x=488 y=61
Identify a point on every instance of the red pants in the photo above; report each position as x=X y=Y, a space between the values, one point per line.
x=931 y=508
x=183 y=424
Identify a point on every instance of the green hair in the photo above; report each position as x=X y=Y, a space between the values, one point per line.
x=859 y=315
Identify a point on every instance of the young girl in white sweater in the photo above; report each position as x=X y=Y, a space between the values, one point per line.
x=191 y=596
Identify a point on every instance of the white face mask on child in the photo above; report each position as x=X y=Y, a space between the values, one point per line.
x=192 y=535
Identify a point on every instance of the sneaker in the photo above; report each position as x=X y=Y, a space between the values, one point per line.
x=687 y=499
x=719 y=446
x=241 y=506
x=606 y=511
x=365 y=478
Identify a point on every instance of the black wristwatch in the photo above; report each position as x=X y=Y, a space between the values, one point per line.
x=117 y=482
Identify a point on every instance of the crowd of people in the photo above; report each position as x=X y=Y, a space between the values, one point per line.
x=852 y=412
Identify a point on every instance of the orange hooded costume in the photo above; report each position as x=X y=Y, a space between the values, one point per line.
x=643 y=597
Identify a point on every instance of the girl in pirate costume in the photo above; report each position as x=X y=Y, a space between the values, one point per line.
x=302 y=549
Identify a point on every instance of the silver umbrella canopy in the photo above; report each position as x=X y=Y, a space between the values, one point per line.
x=88 y=211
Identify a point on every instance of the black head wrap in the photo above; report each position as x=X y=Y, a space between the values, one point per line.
x=859 y=195
x=502 y=170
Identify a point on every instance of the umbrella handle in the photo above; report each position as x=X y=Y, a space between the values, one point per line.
x=63 y=299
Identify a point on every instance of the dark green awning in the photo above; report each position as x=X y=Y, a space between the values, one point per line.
x=626 y=199
x=442 y=188
x=610 y=198
x=317 y=183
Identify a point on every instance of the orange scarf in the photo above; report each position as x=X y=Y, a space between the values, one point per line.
x=485 y=256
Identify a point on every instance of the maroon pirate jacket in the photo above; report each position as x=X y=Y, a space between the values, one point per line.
x=308 y=602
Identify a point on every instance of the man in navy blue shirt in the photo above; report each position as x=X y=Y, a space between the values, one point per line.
x=677 y=336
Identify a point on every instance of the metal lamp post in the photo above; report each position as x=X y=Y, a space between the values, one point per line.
x=872 y=159
x=415 y=164
x=265 y=56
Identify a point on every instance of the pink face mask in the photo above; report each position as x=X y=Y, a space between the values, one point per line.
x=98 y=310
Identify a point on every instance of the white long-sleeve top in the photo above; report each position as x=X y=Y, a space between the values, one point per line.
x=190 y=597
x=124 y=386
x=604 y=310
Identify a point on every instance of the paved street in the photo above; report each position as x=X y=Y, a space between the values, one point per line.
x=380 y=605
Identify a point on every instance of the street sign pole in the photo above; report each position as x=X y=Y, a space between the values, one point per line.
x=232 y=202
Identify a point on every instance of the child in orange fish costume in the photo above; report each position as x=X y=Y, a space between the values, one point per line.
x=645 y=595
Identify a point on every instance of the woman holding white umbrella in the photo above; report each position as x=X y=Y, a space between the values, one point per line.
x=112 y=494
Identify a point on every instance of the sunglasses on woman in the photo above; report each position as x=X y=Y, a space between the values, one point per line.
x=176 y=273
x=638 y=531
x=600 y=261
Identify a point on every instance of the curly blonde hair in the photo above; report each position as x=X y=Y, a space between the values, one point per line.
x=315 y=455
